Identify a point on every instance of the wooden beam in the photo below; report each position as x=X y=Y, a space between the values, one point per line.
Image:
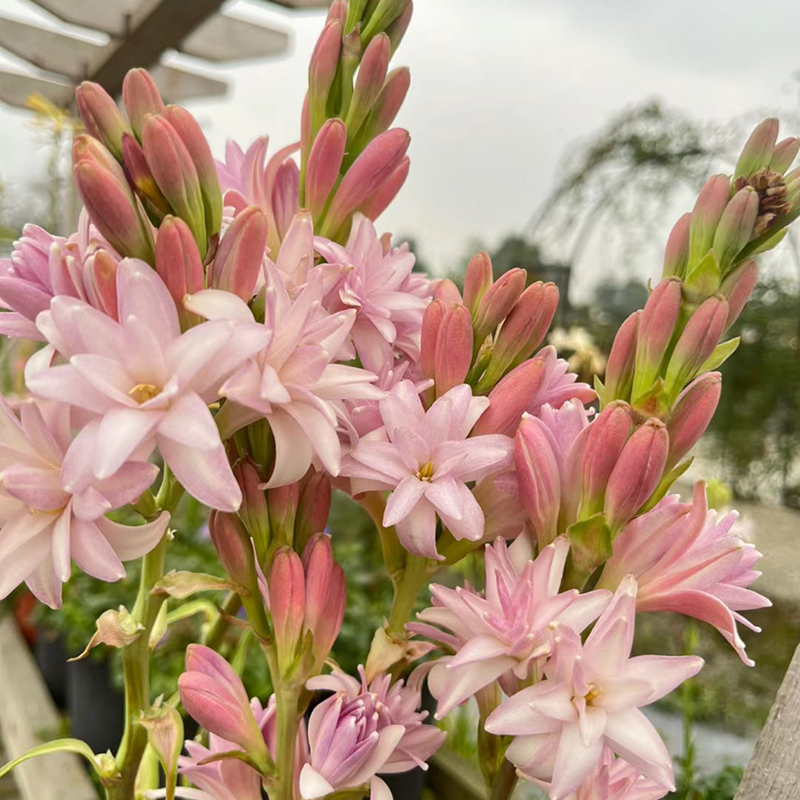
x=774 y=770
x=165 y=27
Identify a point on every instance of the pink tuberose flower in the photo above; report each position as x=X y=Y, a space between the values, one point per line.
x=364 y=729
x=689 y=561
x=507 y=632
x=590 y=700
x=427 y=460
x=148 y=384
x=616 y=779
x=52 y=508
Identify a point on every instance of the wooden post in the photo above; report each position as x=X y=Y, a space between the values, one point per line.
x=774 y=770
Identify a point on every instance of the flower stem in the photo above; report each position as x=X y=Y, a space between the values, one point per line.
x=288 y=723
x=406 y=590
x=504 y=784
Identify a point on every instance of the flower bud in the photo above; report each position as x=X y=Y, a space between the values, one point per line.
x=322 y=70
x=101 y=116
x=711 y=202
x=384 y=14
x=164 y=726
x=141 y=177
x=233 y=546
x=604 y=443
x=448 y=293
x=691 y=415
x=337 y=11
x=254 y=511
x=538 y=479
x=737 y=288
x=431 y=322
x=283 y=502
x=178 y=264
x=285 y=195
x=196 y=144
x=784 y=155
x=656 y=325
x=325 y=595
x=375 y=205
x=176 y=175
x=390 y=100
x=676 y=253
x=622 y=360
x=759 y=148
x=477 y=280
x=324 y=163
x=397 y=30
x=369 y=81
x=287 y=602
x=100 y=282
x=637 y=473
x=735 y=226
x=497 y=303
x=313 y=508
x=238 y=261
x=697 y=342
x=453 y=349
x=141 y=97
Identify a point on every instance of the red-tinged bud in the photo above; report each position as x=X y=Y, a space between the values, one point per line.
x=448 y=293
x=735 y=227
x=176 y=175
x=322 y=70
x=369 y=81
x=101 y=116
x=369 y=172
x=287 y=603
x=711 y=202
x=285 y=195
x=622 y=360
x=100 y=282
x=512 y=395
x=784 y=155
x=605 y=442
x=676 y=253
x=237 y=264
x=141 y=97
x=656 y=325
x=380 y=201
x=178 y=264
x=737 y=288
x=390 y=99
x=283 y=502
x=109 y=200
x=758 y=150
x=337 y=11
x=384 y=14
x=497 y=303
x=637 y=473
x=313 y=508
x=305 y=130
x=325 y=595
x=397 y=30
x=477 y=280
x=254 y=511
x=538 y=478
x=196 y=143
x=691 y=415
x=453 y=349
x=697 y=342
x=324 y=163
x=140 y=176
x=233 y=546
x=431 y=322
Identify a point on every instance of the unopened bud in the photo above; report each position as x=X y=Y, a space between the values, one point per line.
x=397 y=30
x=233 y=546
x=287 y=602
x=322 y=70
x=369 y=81
x=691 y=415
x=497 y=302
x=325 y=595
x=447 y=292
x=758 y=150
x=735 y=227
x=313 y=508
x=324 y=163
x=477 y=280
x=285 y=195
x=737 y=288
x=100 y=281
x=141 y=177
x=238 y=261
x=178 y=263
x=784 y=155
x=711 y=202
x=390 y=99
x=141 y=97
x=283 y=502
x=101 y=116
x=622 y=360
x=431 y=322
x=375 y=205
x=385 y=13
x=254 y=511
x=676 y=253
x=453 y=349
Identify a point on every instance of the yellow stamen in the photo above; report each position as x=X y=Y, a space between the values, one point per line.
x=426 y=473
x=143 y=392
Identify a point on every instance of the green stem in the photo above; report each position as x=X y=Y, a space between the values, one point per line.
x=504 y=784
x=406 y=589
x=219 y=627
x=288 y=723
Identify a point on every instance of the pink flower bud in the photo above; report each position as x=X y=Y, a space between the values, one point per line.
x=100 y=282
x=322 y=70
x=192 y=136
x=213 y=694
x=431 y=322
x=237 y=264
x=636 y=473
x=325 y=595
x=453 y=349
x=254 y=511
x=737 y=288
x=691 y=415
x=369 y=81
x=622 y=360
x=511 y=397
x=656 y=325
x=287 y=602
x=735 y=226
x=604 y=443
x=697 y=342
x=784 y=155
x=676 y=253
x=178 y=263
x=382 y=198
x=497 y=303
x=324 y=163
x=447 y=292
x=283 y=502
x=390 y=99
x=101 y=116
x=711 y=202
x=141 y=97
x=313 y=508
x=141 y=177
x=383 y=15
x=538 y=479
x=285 y=196
x=305 y=130
x=397 y=30
x=233 y=546
x=477 y=281
x=759 y=148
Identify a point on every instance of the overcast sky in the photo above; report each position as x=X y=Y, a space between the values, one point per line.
x=499 y=89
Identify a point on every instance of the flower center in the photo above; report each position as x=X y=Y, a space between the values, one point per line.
x=143 y=392
x=425 y=473
x=593 y=693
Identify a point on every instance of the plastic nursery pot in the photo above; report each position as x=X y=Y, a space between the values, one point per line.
x=96 y=708
x=51 y=658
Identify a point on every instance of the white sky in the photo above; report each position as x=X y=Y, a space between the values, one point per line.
x=499 y=89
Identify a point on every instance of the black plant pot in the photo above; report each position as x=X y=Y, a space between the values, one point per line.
x=407 y=785
x=96 y=708
x=51 y=658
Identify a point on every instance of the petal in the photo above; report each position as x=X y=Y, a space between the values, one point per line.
x=133 y=541
x=403 y=499
x=631 y=735
x=463 y=682
x=122 y=430
x=189 y=422
x=217 y=304
x=378 y=790
x=312 y=784
x=663 y=673
x=93 y=553
x=574 y=761
x=417 y=531
x=292 y=451
x=141 y=293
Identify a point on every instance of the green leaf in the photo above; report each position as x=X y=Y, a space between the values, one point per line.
x=181 y=584
x=703 y=278
x=664 y=485
x=722 y=352
x=58 y=746
x=589 y=547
